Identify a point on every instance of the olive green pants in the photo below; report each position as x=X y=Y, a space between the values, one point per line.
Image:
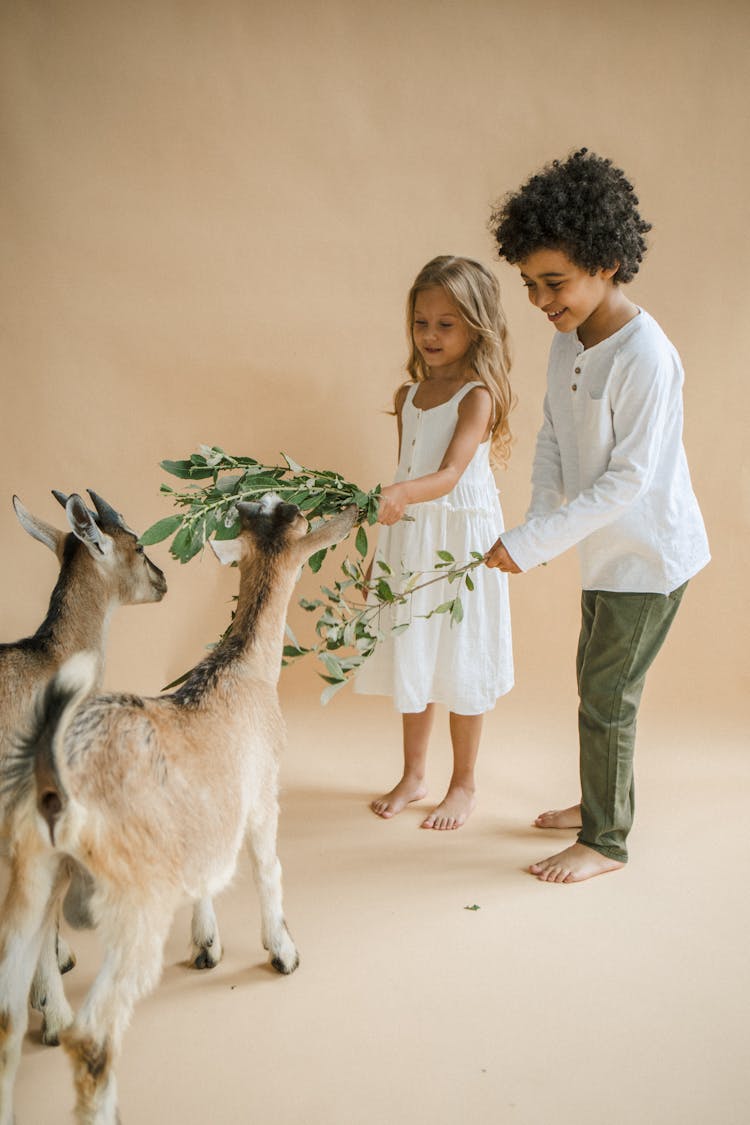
x=620 y=636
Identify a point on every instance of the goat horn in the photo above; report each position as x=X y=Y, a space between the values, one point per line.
x=105 y=511
x=248 y=509
x=61 y=498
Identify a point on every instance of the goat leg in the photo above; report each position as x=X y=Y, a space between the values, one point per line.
x=277 y=940
x=204 y=932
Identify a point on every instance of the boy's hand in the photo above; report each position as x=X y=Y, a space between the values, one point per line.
x=392 y=504
x=499 y=557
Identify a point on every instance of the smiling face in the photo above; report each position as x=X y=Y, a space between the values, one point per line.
x=440 y=333
x=573 y=299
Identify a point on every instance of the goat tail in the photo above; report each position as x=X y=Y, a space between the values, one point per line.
x=57 y=706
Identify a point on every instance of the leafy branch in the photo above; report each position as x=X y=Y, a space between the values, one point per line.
x=211 y=508
x=348 y=627
x=349 y=621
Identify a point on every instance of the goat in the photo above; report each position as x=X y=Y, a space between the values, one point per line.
x=152 y=797
x=101 y=566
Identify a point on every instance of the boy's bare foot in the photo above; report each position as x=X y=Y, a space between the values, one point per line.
x=453 y=811
x=573 y=865
x=560 y=818
x=407 y=790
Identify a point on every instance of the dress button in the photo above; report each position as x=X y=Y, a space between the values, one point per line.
x=574 y=387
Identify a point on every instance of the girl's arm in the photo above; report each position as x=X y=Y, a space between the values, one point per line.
x=474 y=418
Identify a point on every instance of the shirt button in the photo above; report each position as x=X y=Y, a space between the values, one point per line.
x=574 y=387
x=578 y=371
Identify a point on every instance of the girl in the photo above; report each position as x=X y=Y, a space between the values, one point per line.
x=451 y=414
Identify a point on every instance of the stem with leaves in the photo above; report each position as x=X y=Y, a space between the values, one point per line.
x=349 y=613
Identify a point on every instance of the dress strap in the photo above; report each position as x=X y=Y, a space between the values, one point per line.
x=465 y=390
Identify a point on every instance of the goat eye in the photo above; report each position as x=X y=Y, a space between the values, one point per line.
x=139 y=549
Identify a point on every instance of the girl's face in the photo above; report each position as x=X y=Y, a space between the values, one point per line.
x=440 y=333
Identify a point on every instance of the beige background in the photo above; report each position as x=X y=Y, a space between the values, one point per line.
x=211 y=215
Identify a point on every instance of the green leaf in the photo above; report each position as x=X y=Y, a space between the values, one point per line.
x=183 y=546
x=446 y=556
x=457 y=611
x=469 y=583
x=227 y=532
x=332 y=666
x=180 y=469
x=329 y=692
x=308 y=605
x=292 y=464
x=187 y=470
x=229 y=482
x=316 y=561
x=383 y=590
x=160 y=530
x=361 y=541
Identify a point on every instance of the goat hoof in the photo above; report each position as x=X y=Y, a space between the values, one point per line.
x=50 y=1038
x=205 y=959
x=285 y=967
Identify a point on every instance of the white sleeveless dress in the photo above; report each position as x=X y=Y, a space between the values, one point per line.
x=466 y=665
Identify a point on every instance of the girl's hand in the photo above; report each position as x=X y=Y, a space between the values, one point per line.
x=393 y=501
x=499 y=557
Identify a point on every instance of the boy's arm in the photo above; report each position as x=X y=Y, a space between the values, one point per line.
x=640 y=403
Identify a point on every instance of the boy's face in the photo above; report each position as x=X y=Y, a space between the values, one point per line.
x=570 y=297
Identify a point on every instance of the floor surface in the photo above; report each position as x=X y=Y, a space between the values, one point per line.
x=622 y=1000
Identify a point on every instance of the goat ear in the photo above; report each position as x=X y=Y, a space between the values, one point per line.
x=85 y=527
x=42 y=531
x=227 y=550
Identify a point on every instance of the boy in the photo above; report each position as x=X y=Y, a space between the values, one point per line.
x=610 y=475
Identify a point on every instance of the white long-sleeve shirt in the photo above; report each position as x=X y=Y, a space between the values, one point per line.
x=610 y=473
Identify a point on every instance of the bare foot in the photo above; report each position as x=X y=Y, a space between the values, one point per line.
x=453 y=811
x=560 y=818
x=573 y=865
x=408 y=790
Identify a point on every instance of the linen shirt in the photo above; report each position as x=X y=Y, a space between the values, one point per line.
x=610 y=473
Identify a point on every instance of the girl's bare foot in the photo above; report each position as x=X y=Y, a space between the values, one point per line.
x=573 y=865
x=454 y=810
x=408 y=789
x=560 y=818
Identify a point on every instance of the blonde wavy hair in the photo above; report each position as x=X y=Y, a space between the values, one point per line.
x=476 y=293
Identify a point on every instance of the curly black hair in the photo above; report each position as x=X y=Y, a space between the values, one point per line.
x=583 y=206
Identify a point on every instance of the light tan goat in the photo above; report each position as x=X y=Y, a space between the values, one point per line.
x=154 y=798
x=101 y=567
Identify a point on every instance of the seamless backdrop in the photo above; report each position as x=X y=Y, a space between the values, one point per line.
x=210 y=215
